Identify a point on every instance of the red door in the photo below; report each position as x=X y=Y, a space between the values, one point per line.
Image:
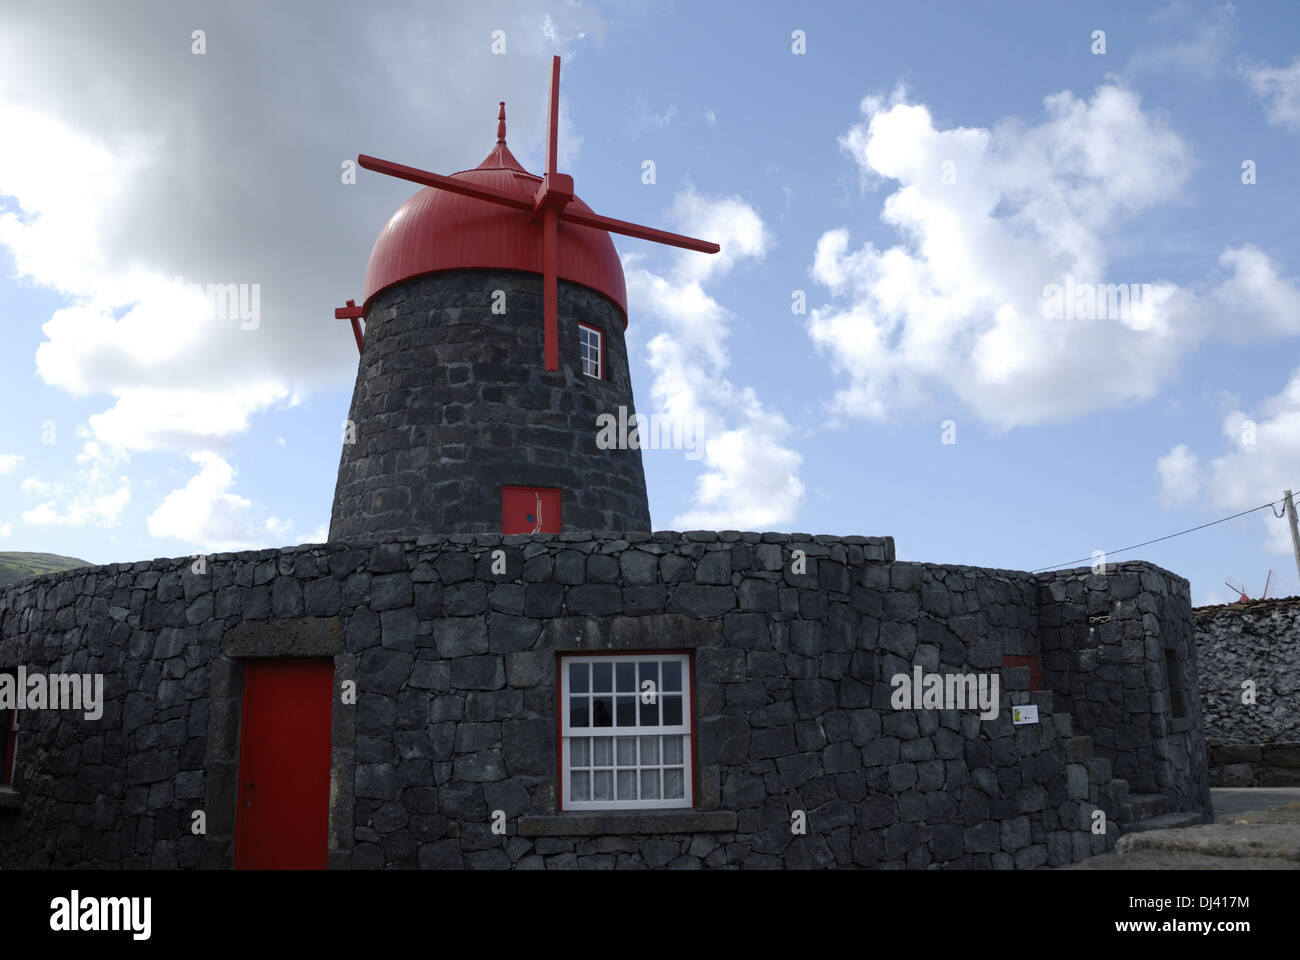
x=530 y=510
x=284 y=765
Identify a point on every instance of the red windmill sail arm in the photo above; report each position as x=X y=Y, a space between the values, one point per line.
x=553 y=119
x=550 y=201
x=636 y=230
x=450 y=184
x=549 y=206
x=550 y=294
x=354 y=313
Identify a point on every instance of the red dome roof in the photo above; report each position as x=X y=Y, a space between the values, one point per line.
x=438 y=230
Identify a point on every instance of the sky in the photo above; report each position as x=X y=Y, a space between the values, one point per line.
x=1011 y=283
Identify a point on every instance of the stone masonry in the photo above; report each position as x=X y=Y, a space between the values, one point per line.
x=456 y=673
x=452 y=402
x=1251 y=744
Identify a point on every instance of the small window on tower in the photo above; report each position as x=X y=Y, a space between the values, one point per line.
x=591 y=347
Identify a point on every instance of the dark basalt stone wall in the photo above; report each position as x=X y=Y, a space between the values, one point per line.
x=455 y=672
x=1120 y=649
x=1250 y=689
x=452 y=402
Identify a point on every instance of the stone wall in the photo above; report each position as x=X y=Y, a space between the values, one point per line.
x=1119 y=648
x=456 y=672
x=1251 y=744
x=452 y=401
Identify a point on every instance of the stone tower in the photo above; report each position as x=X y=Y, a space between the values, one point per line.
x=456 y=424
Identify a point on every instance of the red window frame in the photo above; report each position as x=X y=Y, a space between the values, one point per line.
x=8 y=742
x=600 y=334
x=561 y=706
x=1033 y=663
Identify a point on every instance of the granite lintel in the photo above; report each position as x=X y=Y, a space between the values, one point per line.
x=613 y=823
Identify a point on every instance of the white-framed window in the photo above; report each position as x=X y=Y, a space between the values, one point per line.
x=589 y=346
x=625 y=731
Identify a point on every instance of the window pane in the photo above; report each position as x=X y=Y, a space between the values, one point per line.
x=578 y=711
x=580 y=785
x=627 y=785
x=673 y=784
x=626 y=751
x=602 y=785
x=627 y=711
x=649 y=671
x=650 y=713
x=672 y=675
x=626 y=674
x=580 y=752
x=602 y=677
x=672 y=711
x=673 y=750
x=602 y=752
x=578 y=676
x=650 y=751
x=649 y=784
x=602 y=712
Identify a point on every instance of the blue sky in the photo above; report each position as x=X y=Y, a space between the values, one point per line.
x=922 y=172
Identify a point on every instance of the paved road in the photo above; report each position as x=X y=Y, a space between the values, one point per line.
x=1255 y=829
x=1229 y=800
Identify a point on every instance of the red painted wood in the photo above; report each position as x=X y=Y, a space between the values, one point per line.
x=1033 y=663
x=470 y=220
x=561 y=776
x=553 y=119
x=284 y=765
x=454 y=184
x=542 y=504
x=639 y=232
x=355 y=314
x=9 y=731
x=549 y=293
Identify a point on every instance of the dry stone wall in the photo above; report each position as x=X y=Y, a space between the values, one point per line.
x=1250 y=689
x=452 y=401
x=456 y=672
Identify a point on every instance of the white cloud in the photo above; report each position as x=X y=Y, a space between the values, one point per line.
x=9 y=462
x=6 y=531
x=206 y=514
x=1180 y=482
x=99 y=494
x=750 y=480
x=180 y=418
x=115 y=188
x=1262 y=460
x=711 y=118
x=1200 y=54
x=1279 y=88
x=642 y=119
x=988 y=220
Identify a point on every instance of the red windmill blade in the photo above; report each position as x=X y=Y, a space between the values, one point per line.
x=550 y=203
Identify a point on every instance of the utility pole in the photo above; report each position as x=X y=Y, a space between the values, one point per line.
x=1295 y=531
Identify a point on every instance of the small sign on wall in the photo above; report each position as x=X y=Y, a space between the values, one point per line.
x=1027 y=713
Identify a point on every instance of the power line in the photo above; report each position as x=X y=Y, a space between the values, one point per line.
x=1109 y=553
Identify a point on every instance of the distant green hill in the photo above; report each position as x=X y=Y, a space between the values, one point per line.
x=16 y=566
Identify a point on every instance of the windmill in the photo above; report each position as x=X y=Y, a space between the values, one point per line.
x=1241 y=590
x=1233 y=585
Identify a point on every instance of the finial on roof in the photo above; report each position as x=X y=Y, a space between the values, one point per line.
x=501 y=123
